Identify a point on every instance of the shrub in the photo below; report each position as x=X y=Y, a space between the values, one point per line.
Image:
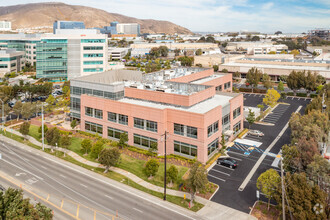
x=283 y=95
x=151 y=167
x=290 y=93
x=299 y=94
x=262 y=91
x=45 y=129
x=313 y=95
x=245 y=90
x=65 y=132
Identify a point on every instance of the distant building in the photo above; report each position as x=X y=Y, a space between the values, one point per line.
x=68 y=25
x=128 y=28
x=11 y=61
x=5 y=25
x=321 y=33
x=116 y=53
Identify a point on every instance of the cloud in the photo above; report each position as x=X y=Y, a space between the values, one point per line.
x=267 y=6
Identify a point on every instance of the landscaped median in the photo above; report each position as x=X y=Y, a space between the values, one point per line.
x=132 y=165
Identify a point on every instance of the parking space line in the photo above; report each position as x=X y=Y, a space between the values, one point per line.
x=224 y=167
x=229 y=152
x=220 y=172
x=216 y=177
x=236 y=158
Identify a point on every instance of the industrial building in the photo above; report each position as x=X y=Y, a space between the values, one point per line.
x=189 y=104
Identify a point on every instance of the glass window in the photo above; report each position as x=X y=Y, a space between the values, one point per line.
x=192 y=132
x=213 y=128
x=89 y=111
x=75 y=104
x=112 y=117
x=143 y=140
x=139 y=123
x=115 y=133
x=212 y=146
x=152 y=126
x=98 y=114
x=237 y=112
x=225 y=119
x=97 y=92
x=186 y=149
x=87 y=91
x=178 y=129
x=218 y=88
x=237 y=127
x=123 y=119
x=93 y=127
x=76 y=90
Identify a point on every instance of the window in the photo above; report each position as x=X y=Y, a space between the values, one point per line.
x=139 y=123
x=212 y=146
x=213 y=128
x=144 y=141
x=75 y=104
x=191 y=132
x=227 y=85
x=237 y=112
x=218 y=88
x=115 y=133
x=93 y=127
x=152 y=126
x=93 y=62
x=98 y=114
x=93 y=41
x=88 y=111
x=91 y=70
x=87 y=91
x=123 y=119
x=178 y=129
x=93 y=48
x=186 y=149
x=76 y=90
x=98 y=93
x=91 y=112
x=112 y=117
x=225 y=119
x=237 y=127
x=93 y=55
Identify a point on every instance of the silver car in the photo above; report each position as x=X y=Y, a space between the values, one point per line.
x=256 y=133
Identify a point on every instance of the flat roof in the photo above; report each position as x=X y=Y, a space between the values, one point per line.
x=279 y=66
x=111 y=77
x=199 y=108
x=206 y=79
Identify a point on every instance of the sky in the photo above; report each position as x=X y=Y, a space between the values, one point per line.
x=266 y=16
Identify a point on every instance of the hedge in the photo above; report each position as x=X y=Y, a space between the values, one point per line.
x=313 y=95
x=263 y=91
x=290 y=93
x=245 y=90
x=301 y=94
x=65 y=132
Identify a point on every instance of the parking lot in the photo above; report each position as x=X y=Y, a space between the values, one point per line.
x=230 y=180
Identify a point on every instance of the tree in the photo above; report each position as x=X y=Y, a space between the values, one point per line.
x=153 y=147
x=50 y=102
x=319 y=170
x=278 y=32
x=307 y=150
x=163 y=50
x=295 y=52
x=24 y=128
x=97 y=148
x=14 y=206
x=199 y=52
x=215 y=68
x=266 y=81
x=27 y=110
x=302 y=197
x=224 y=70
x=123 y=138
x=291 y=160
x=172 y=174
x=53 y=136
x=109 y=157
x=197 y=179
x=86 y=145
x=251 y=117
x=261 y=107
x=40 y=129
x=18 y=109
x=271 y=97
x=311 y=81
x=255 y=38
x=65 y=142
x=186 y=61
x=268 y=183
x=283 y=52
x=223 y=142
x=272 y=52
x=293 y=81
x=73 y=123
x=151 y=167
x=210 y=39
x=253 y=77
x=280 y=86
x=177 y=52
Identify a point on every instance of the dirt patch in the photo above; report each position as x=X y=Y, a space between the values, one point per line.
x=261 y=212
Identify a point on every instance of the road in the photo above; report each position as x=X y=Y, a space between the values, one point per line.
x=230 y=180
x=80 y=191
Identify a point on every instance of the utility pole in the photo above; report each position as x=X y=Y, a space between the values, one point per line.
x=42 y=126
x=165 y=167
x=282 y=177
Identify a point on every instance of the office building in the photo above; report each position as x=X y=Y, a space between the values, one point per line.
x=322 y=33
x=116 y=53
x=188 y=103
x=71 y=53
x=128 y=28
x=5 y=25
x=11 y=61
x=67 y=25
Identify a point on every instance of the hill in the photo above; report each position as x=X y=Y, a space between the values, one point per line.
x=44 y=14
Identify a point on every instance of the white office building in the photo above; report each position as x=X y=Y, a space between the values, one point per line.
x=128 y=28
x=116 y=53
x=5 y=25
x=11 y=61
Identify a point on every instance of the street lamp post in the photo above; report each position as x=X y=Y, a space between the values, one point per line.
x=42 y=126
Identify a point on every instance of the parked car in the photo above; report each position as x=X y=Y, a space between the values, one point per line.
x=256 y=133
x=228 y=162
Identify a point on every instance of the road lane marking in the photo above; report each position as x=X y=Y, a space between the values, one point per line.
x=229 y=152
x=108 y=197
x=120 y=188
x=22 y=169
x=83 y=185
x=216 y=178
x=257 y=164
x=220 y=172
x=63 y=176
x=138 y=210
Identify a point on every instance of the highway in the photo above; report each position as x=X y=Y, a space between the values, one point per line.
x=78 y=191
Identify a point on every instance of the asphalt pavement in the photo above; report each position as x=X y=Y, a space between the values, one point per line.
x=230 y=180
x=81 y=192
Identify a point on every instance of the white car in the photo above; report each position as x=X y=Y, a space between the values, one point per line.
x=256 y=133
